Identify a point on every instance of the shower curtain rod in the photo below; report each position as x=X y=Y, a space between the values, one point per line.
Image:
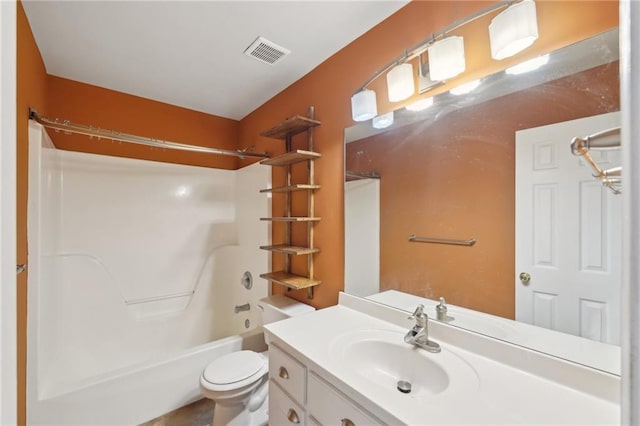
x=604 y=140
x=69 y=127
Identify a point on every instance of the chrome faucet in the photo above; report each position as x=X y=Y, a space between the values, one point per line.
x=419 y=333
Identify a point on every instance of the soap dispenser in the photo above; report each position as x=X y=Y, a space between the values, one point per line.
x=441 y=311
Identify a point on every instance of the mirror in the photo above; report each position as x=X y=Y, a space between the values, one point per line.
x=494 y=166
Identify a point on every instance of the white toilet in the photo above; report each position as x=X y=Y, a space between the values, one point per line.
x=238 y=382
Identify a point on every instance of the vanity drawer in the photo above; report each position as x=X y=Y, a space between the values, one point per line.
x=312 y=422
x=288 y=373
x=283 y=411
x=329 y=406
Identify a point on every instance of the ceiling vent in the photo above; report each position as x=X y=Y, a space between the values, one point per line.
x=266 y=51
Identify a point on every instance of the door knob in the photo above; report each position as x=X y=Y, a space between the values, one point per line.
x=525 y=277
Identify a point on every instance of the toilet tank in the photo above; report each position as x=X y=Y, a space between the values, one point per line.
x=278 y=307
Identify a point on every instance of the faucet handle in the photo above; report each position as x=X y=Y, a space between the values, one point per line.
x=442 y=307
x=418 y=312
x=441 y=311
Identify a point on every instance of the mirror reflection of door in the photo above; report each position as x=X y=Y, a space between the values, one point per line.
x=568 y=233
x=362 y=236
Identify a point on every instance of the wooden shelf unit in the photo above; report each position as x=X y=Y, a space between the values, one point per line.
x=293 y=250
x=295 y=187
x=292 y=219
x=289 y=158
x=289 y=280
x=290 y=127
x=285 y=131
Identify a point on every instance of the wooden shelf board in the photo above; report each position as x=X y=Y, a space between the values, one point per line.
x=290 y=280
x=292 y=157
x=291 y=219
x=296 y=187
x=290 y=127
x=296 y=251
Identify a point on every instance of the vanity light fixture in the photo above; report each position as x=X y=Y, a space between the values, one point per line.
x=446 y=58
x=383 y=121
x=420 y=105
x=465 y=88
x=527 y=66
x=513 y=30
x=400 y=82
x=363 y=105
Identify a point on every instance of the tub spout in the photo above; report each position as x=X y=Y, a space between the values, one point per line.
x=242 y=308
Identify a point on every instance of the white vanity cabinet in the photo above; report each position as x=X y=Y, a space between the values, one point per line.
x=340 y=365
x=329 y=406
x=287 y=389
x=283 y=410
x=299 y=396
x=288 y=373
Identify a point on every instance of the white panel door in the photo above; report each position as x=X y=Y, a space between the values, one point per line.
x=8 y=254
x=568 y=233
x=362 y=237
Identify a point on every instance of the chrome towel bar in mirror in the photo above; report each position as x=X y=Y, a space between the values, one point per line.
x=469 y=242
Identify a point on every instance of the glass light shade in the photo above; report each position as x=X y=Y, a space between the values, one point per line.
x=420 y=105
x=400 y=82
x=526 y=66
x=383 y=121
x=446 y=58
x=463 y=89
x=513 y=30
x=363 y=105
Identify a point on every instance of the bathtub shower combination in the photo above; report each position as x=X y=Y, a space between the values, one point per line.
x=135 y=271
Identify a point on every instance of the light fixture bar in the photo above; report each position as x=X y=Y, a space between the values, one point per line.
x=422 y=47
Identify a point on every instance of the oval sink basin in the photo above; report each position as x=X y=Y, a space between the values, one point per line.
x=387 y=363
x=381 y=358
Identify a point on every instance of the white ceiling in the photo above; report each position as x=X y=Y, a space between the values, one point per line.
x=191 y=53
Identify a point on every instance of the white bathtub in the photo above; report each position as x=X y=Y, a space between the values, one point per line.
x=134 y=271
x=139 y=393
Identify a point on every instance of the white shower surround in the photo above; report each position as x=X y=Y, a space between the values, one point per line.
x=106 y=230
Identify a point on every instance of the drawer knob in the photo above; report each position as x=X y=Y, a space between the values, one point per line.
x=283 y=373
x=292 y=416
x=347 y=422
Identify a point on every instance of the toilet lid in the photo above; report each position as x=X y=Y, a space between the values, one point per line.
x=234 y=367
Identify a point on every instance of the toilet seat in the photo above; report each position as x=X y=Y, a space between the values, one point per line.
x=235 y=370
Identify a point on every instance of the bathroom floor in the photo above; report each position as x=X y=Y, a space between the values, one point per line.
x=199 y=413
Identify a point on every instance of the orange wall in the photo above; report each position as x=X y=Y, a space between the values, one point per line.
x=98 y=107
x=455 y=178
x=31 y=91
x=329 y=88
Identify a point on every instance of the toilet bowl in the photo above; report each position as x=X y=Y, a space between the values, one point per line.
x=238 y=382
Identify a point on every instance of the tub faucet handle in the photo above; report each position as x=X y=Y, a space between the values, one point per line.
x=242 y=308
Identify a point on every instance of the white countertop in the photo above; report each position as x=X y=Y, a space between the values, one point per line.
x=590 y=353
x=502 y=393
